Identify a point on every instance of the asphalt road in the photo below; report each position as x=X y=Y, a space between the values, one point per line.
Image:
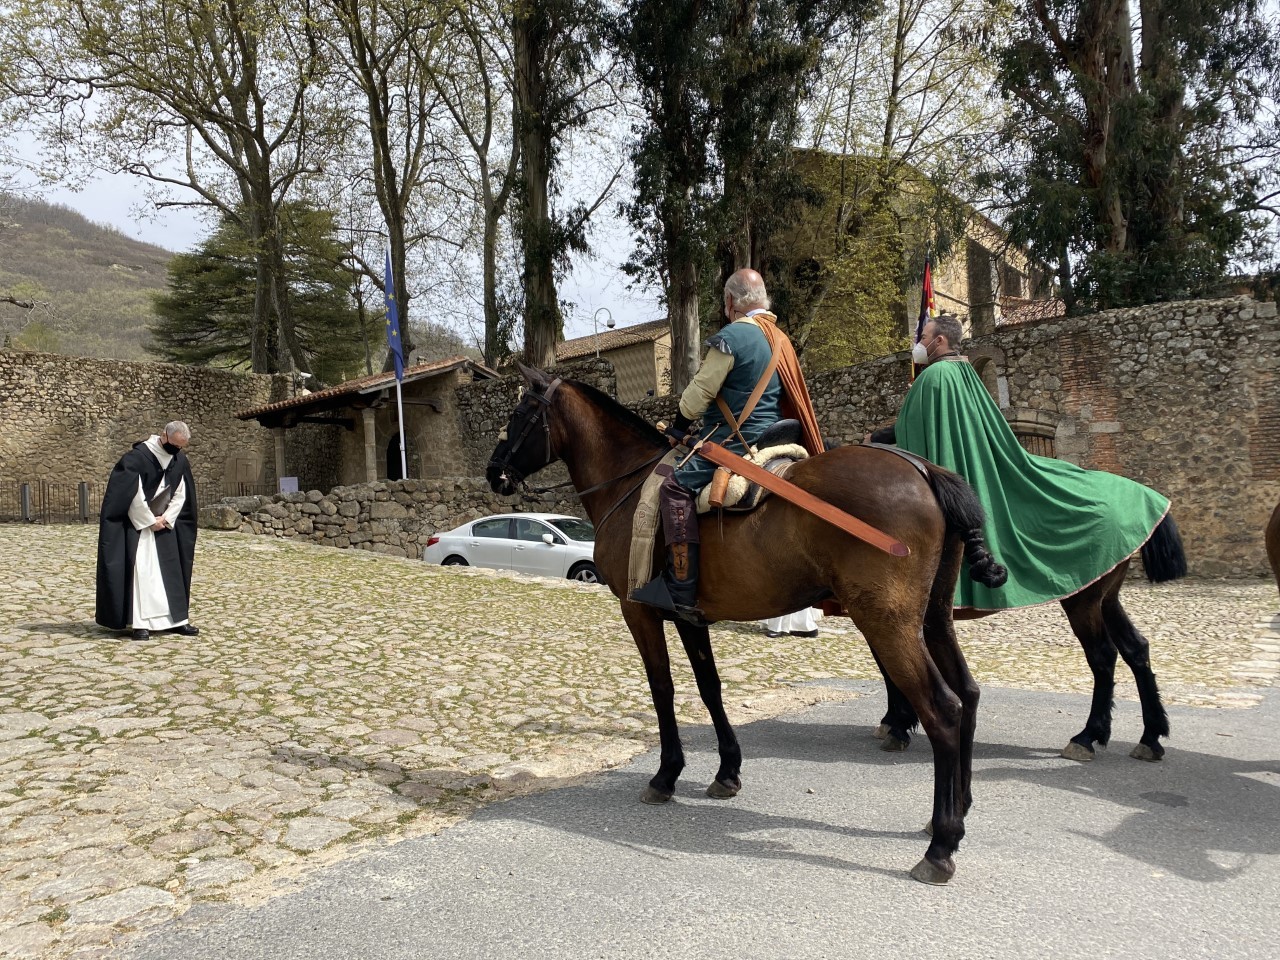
x=1116 y=858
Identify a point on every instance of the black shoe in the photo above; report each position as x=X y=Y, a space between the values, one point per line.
x=139 y=635
x=772 y=633
x=804 y=633
x=186 y=630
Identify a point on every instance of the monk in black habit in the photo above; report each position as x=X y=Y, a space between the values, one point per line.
x=147 y=538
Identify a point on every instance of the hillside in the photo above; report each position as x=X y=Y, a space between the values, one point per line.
x=92 y=284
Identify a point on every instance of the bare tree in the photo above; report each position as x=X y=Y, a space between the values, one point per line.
x=226 y=88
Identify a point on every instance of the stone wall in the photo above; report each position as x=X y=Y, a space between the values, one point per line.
x=395 y=517
x=485 y=406
x=68 y=419
x=1180 y=396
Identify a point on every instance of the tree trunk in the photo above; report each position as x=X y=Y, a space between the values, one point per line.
x=290 y=352
x=682 y=306
x=1161 y=81
x=543 y=324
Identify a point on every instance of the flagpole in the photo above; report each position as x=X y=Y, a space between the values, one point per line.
x=404 y=470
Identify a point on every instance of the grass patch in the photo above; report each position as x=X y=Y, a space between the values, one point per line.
x=55 y=916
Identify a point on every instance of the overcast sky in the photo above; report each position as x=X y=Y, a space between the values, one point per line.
x=119 y=200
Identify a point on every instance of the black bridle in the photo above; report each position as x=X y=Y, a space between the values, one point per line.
x=541 y=417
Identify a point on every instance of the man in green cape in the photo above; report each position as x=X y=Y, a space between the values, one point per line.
x=1055 y=526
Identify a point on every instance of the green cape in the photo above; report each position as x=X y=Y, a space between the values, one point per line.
x=1056 y=526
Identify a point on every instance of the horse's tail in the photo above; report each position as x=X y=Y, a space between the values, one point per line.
x=1163 y=558
x=965 y=518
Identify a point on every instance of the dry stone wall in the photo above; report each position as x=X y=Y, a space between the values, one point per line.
x=393 y=517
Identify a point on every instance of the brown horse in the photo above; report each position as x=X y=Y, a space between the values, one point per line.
x=778 y=559
x=1273 y=543
x=1104 y=630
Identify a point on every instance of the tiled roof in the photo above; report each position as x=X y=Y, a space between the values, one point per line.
x=1032 y=311
x=368 y=384
x=611 y=339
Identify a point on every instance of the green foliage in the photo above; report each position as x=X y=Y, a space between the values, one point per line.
x=1141 y=177
x=207 y=316
x=839 y=276
x=38 y=336
x=715 y=181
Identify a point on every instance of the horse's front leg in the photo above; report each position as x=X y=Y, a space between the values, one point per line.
x=647 y=630
x=697 y=644
x=899 y=719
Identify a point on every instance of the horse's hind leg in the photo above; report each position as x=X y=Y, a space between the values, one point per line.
x=697 y=644
x=1084 y=612
x=901 y=649
x=1136 y=652
x=647 y=630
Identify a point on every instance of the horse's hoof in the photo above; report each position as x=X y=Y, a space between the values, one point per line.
x=928 y=872
x=881 y=731
x=719 y=790
x=1074 y=751
x=654 y=796
x=1144 y=752
x=892 y=744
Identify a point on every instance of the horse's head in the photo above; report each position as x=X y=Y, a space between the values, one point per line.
x=525 y=446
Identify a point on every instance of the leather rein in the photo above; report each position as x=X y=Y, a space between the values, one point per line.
x=541 y=417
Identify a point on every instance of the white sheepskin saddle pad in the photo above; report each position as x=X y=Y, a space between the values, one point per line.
x=743 y=495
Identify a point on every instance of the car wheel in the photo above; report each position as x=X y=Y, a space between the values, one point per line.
x=454 y=561
x=585 y=572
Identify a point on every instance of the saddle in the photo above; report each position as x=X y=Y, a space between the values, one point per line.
x=777 y=450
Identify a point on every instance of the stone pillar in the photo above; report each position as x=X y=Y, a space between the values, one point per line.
x=277 y=434
x=370 y=445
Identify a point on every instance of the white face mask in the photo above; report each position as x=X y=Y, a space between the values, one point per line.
x=919 y=355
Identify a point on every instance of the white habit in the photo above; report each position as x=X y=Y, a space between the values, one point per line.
x=150 y=602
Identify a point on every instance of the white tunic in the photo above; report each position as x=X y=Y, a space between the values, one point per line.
x=802 y=621
x=150 y=602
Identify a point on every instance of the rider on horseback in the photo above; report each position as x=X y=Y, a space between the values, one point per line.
x=747 y=347
x=1056 y=526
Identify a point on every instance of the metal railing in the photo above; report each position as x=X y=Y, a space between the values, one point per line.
x=48 y=501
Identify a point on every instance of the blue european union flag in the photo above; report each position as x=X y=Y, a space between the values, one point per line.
x=393 y=321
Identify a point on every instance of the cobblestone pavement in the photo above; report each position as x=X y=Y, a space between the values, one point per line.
x=338 y=698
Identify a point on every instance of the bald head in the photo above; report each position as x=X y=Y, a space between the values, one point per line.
x=744 y=292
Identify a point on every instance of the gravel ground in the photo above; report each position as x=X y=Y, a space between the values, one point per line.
x=336 y=699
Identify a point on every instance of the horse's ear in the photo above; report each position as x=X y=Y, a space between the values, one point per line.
x=532 y=375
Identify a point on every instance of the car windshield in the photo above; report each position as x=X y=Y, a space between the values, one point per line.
x=575 y=529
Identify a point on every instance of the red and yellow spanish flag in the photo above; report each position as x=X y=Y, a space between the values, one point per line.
x=928 y=309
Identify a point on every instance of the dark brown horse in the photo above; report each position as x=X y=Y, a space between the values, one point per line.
x=1273 y=543
x=775 y=560
x=1104 y=630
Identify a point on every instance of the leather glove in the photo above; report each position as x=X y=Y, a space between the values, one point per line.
x=678 y=430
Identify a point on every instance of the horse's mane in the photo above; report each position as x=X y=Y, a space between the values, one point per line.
x=637 y=424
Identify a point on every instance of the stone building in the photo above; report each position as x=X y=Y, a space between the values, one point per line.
x=981 y=277
x=640 y=355
x=361 y=425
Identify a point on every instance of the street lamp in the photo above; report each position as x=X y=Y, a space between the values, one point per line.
x=595 y=319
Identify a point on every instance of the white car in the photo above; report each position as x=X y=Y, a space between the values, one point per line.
x=545 y=544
